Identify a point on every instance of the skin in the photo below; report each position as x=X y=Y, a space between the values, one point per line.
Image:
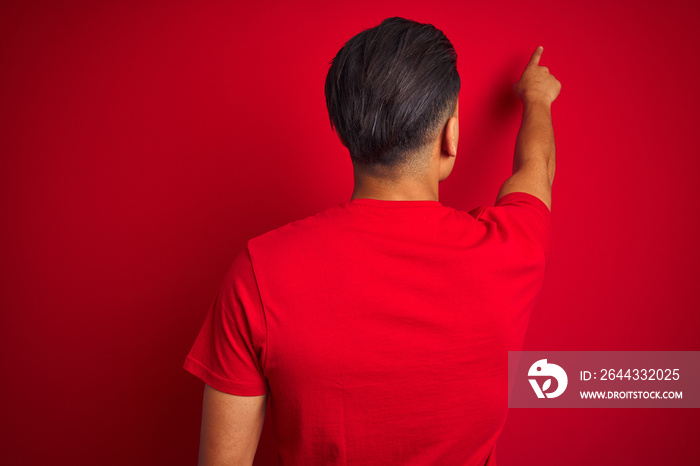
x=533 y=162
x=415 y=186
x=231 y=427
x=534 y=159
x=231 y=424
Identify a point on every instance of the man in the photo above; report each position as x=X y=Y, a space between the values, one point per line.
x=380 y=327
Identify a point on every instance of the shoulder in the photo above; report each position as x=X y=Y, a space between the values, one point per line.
x=299 y=234
x=517 y=204
x=520 y=218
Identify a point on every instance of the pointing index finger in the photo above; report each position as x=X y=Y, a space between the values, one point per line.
x=535 y=59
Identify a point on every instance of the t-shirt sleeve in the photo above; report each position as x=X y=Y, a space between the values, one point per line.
x=520 y=217
x=229 y=351
x=519 y=225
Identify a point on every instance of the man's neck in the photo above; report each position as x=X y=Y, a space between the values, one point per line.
x=402 y=189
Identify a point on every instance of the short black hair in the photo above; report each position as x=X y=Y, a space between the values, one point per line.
x=389 y=89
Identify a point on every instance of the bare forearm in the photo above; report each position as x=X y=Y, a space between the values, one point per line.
x=535 y=141
x=533 y=162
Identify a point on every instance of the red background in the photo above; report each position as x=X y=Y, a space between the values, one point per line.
x=143 y=144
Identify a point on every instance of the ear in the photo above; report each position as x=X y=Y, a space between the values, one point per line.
x=450 y=137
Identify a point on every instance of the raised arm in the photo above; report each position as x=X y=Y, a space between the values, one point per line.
x=534 y=159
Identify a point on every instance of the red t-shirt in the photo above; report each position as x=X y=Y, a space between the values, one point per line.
x=380 y=329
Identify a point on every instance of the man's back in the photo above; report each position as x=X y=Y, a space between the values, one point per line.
x=380 y=328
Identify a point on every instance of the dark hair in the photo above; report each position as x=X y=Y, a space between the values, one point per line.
x=390 y=88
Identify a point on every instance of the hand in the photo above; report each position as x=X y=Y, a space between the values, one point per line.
x=536 y=84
